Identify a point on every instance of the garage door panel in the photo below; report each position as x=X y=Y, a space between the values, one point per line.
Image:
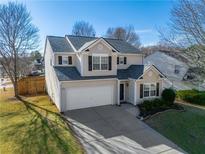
x=83 y=97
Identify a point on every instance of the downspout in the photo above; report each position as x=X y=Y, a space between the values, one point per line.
x=135 y=93
x=118 y=92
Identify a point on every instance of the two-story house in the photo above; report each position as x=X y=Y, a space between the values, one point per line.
x=85 y=72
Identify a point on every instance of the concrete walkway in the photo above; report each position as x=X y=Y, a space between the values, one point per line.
x=116 y=130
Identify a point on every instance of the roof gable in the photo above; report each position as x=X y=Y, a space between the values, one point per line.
x=81 y=42
x=147 y=68
x=59 y=44
x=94 y=43
x=71 y=43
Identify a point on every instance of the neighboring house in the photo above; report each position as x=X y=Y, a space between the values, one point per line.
x=84 y=72
x=174 y=69
x=38 y=65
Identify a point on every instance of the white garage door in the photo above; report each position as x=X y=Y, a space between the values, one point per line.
x=83 y=97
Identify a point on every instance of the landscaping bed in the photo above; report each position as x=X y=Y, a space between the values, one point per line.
x=192 y=96
x=151 y=107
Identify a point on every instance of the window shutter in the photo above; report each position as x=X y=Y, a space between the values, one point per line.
x=60 y=60
x=125 y=60
x=110 y=63
x=117 y=60
x=89 y=63
x=141 y=90
x=157 y=88
x=70 y=60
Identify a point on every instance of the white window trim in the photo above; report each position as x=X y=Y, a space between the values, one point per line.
x=150 y=90
x=100 y=55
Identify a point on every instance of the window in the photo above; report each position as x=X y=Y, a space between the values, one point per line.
x=96 y=63
x=104 y=63
x=146 y=90
x=65 y=61
x=121 y=60
x=176 y=69
x=100 y=62
x=152 y=90
x=149 y=90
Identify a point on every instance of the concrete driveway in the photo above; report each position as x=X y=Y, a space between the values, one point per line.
x=112 y=129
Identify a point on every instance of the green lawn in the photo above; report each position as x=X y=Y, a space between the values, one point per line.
x=33 y=125
x=186 y=129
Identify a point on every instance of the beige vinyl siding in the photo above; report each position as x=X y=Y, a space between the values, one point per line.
x=95 y=50
x=149 y=79
x=134 y=59
x=52 y=83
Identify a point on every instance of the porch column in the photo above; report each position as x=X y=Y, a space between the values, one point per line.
x=135 y=92
x=118 y=92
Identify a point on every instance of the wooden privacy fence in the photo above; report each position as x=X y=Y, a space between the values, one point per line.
x=32 y=85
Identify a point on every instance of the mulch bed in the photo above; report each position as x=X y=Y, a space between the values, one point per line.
x=148 y=114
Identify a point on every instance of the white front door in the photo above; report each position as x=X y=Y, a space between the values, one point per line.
x=83 y=97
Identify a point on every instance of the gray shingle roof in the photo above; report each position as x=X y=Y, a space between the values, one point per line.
x=71 y=73
x=79 y=41
x=133 y=71
x=122 y=46
x=59 y=44
x=119 y=45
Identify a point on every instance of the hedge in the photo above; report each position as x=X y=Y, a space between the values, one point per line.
x=150 y=107
x=168 y=95
x=192 y=96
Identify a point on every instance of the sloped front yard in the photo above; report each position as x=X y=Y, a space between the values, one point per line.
x=33 y=125
x=186 y=129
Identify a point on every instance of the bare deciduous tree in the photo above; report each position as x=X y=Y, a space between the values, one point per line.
x=18 y=36
x=82 y=28
x=187 y=31
x=124 y=33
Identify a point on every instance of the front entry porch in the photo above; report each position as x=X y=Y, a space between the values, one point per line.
x=126 y=92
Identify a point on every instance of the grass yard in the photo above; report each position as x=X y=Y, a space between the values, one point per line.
x=33 y=125
x=186 y=129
